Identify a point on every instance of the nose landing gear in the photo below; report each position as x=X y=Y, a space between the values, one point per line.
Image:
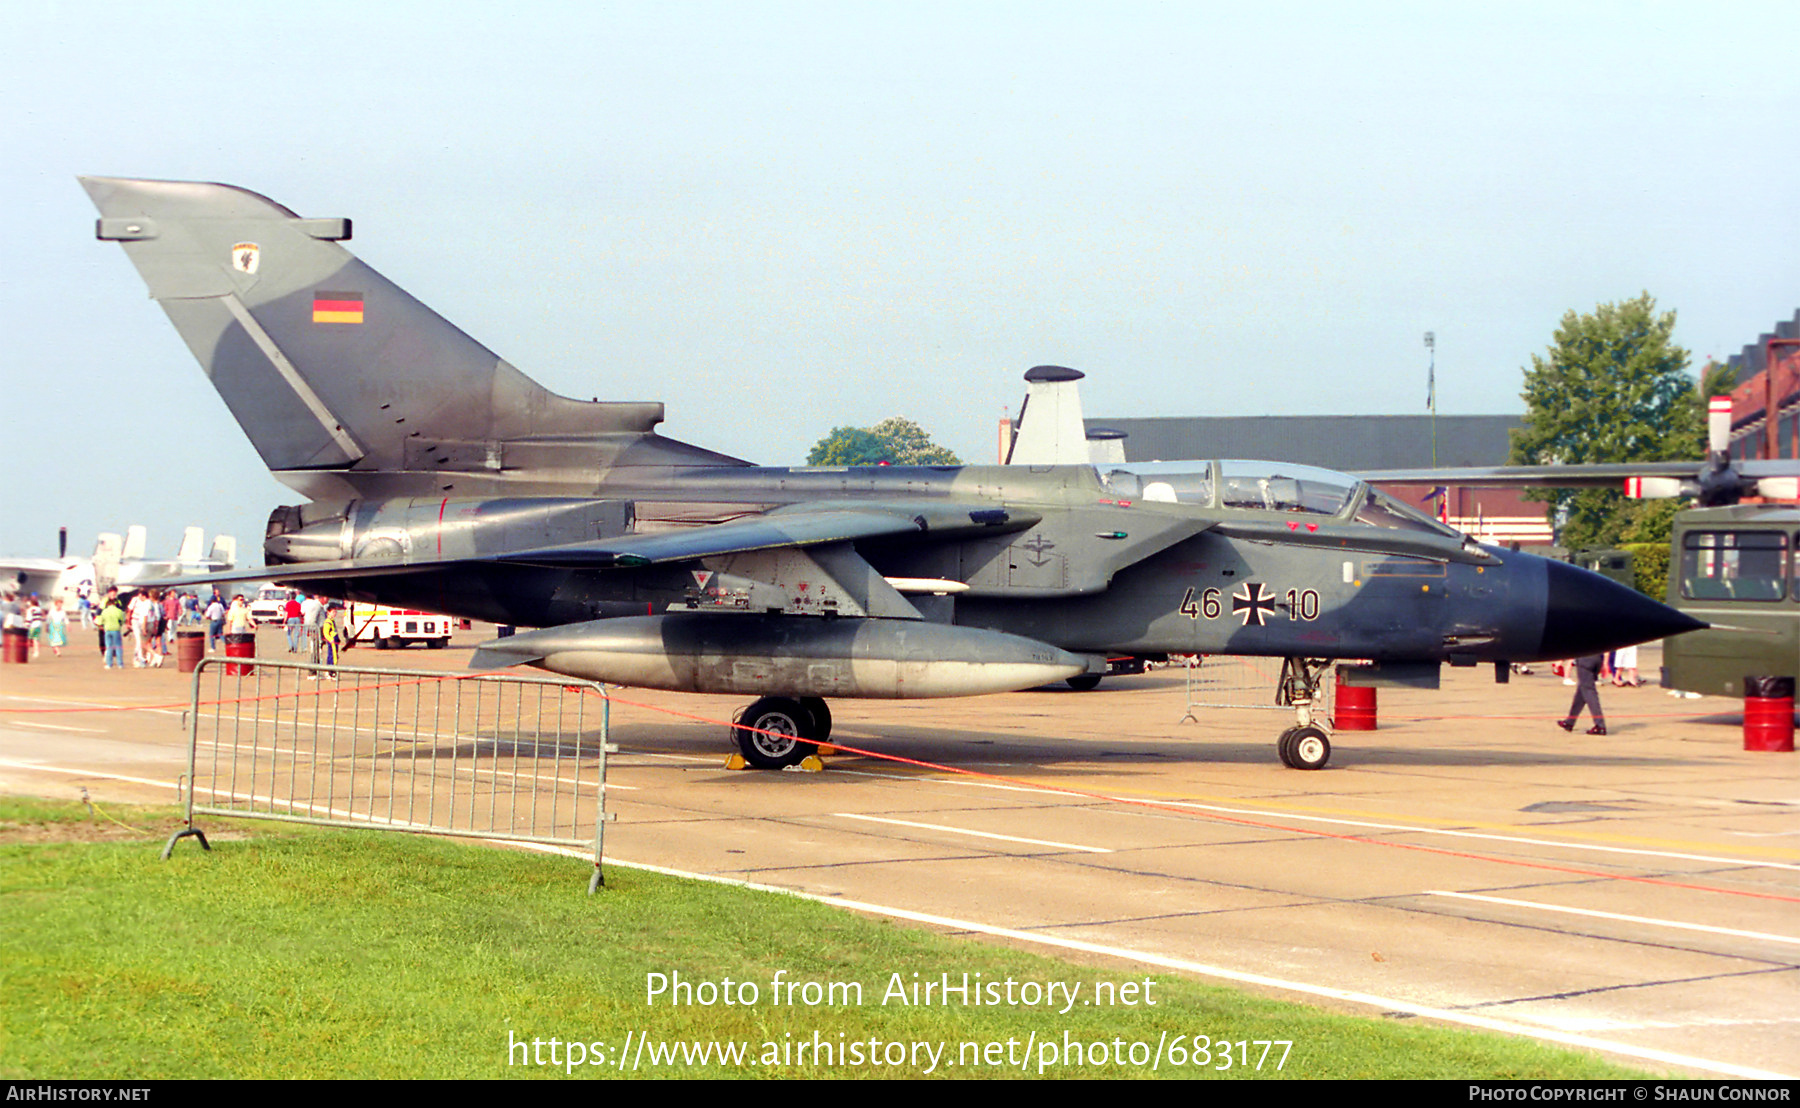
x=1304 y=745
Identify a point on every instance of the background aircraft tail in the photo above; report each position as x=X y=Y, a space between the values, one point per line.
x=107 y=551
x=344 y=382
x=193 y=541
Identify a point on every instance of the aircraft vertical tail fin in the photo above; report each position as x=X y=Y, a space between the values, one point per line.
x=137 y=540
x=224 y=549
x=328 y=366
x=193 y=541
x=107 y=550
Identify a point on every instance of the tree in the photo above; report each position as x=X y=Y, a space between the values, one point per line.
x=895 y=441
x=1613 y=387
x=911 y=445
x=849 y=446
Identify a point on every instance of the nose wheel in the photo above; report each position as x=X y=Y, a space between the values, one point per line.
x=1304 y=747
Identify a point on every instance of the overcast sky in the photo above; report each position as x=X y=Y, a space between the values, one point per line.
x=778 y=218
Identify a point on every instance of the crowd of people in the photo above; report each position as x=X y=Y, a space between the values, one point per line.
x=150 y=617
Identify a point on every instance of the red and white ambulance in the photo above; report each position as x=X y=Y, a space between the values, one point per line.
x=392 y=628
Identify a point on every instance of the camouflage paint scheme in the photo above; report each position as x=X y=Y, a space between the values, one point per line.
x=441 y=477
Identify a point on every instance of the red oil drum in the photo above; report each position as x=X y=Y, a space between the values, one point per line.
x=190 y=647
x=1355 y=706
x=1769 y=713
x=240 y=644
x=17 y=645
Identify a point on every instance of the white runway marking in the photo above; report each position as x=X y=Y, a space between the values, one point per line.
x=1762 y=935
x=89 y=773
x=977 y=834
x=1670 y=1025
x=579 y=784
x=1368 y=825
x=718 y=761
x=1492 y=836
x=57 y=727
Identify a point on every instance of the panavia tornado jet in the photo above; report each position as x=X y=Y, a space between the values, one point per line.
x=439 y=476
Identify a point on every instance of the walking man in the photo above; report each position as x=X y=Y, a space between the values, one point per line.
x=1587 y=691
x=294 y=621
x=215 y=622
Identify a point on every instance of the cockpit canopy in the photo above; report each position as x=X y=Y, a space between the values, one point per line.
x=1269 y=487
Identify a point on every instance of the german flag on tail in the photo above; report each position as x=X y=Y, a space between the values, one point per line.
x=337 y=307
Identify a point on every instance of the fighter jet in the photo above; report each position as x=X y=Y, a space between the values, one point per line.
x=439 y=476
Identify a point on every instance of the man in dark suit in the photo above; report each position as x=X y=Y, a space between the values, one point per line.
x=1587 y=691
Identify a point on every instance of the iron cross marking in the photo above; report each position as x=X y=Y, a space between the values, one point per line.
x=1037 y=546
x=1251 y=604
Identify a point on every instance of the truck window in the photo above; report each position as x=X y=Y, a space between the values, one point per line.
x=1734 y=565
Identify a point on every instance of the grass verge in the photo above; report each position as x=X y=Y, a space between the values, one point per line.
x=299 y=952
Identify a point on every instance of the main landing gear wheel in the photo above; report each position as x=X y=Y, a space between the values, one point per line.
x=1083 y=682
x=780 y=724
x=1304 y=748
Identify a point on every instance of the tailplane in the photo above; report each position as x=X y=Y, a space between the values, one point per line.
x=346 y=384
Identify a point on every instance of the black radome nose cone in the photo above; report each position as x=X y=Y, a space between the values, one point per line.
x=1585 y=613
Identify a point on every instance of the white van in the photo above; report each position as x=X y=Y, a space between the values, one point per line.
x=269 y=604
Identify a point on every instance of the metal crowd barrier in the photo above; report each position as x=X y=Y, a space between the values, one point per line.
x=1244 y=681
x=491 y=756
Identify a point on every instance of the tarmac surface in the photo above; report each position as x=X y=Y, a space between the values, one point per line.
x=1636 y=894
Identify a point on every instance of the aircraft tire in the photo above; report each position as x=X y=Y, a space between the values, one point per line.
x=821 y=717
x=1304 y=748
x=1084 y=682
x=786 y=721
x=1281 y=745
